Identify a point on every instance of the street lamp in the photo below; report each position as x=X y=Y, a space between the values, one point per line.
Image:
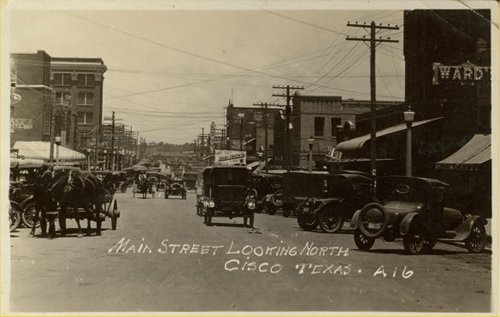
x=241 y=116
x=57 y=140
x=113 y=160
x=409 y=117
x=105 y=152
x=89 y=151
x=311 y=143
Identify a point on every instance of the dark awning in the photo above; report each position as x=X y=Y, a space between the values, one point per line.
x=357 y=143
x=476 y=152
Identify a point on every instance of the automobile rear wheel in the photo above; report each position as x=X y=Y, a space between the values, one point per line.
x=477 y=238
x=416 y=241
x=28 y=216
x=330 y=220
x=363 y=242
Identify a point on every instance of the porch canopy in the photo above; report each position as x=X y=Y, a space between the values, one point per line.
x=473 y=154
x=357 y=143
x=41 y=151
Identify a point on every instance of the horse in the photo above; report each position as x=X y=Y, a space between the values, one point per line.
x=43 y=202
x=77 y=190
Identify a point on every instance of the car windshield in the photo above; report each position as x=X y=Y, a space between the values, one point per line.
x=410 y=191
x=230 y=176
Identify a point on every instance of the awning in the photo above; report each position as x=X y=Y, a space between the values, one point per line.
x=357 y=143
x=474 y=153
x=41 y=151
x=29 y=163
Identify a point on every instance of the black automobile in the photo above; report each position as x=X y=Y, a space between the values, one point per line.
x=226 y=193
x=266 y=186
x=345 y=193
x=413 y=208
x=175 y=187
x=191 y=178
x=300 y=185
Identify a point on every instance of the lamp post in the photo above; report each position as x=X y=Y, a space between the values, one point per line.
x=113 y=160
x=409 y=117
x=57 y=140
x=311 y=143
x=89 y=151
x=105 y=152
x=241 y=116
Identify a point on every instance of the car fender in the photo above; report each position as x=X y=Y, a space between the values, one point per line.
x=404 y=226
x=354 y=219
x=324 y=203
x=463 y=230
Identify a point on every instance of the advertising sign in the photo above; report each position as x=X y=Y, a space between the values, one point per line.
x=463 y=73
x=20 y=123
x=226 y=157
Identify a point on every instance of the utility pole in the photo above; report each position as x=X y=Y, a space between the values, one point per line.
x=97 y=140
x=113 y=141
x=52 y=123
x=265 y=108
x=288 y=112
x=373 y=96
x=202 y=146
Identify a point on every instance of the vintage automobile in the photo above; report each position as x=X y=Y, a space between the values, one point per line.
x=345 y=194
x=413 y=208
x=226 y=193
x=175 y=187
x=266 y=185
x=300 y=185
x=190 y=178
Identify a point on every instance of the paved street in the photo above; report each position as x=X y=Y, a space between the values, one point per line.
x=173 y=262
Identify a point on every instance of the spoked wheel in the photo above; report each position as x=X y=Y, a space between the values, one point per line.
x=306 y=220
x=28 y=216
x=417 y=240
x=363 y=242
x=330 y=220
x=14 y=216
x=477 y=238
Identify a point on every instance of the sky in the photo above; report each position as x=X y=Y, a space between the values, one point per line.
x=170 y=73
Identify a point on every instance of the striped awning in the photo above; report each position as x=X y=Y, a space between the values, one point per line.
x=41 y=151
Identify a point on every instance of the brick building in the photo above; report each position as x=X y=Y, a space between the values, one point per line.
x=331 y=120
x=79 y=82
x=30 y=108
x=246 y=126
x=70 y=88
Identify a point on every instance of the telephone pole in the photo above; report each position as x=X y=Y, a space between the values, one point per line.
x=288 y=112
x=264 y=106
x=113 y=141
x=373 y=96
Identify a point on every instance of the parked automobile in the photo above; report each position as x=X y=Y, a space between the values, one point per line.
x=226 y=193
x=300 y=185
x=266 y=185
x=176 y=187
x=413 y=208
x=345 y=194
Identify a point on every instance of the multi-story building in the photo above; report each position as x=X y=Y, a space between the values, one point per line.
x=78 y=82
x=331 y=120
x=246 y=129
x=65 y=92
x=31 y=97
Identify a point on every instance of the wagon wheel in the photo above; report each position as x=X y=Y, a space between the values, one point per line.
x=477 y=238
x=114 y=214
x=28 y=216
x=14 y=216
x=330 y=220
x=363 y=242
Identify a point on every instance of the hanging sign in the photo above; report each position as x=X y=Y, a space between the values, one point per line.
x=463 y=73
x=226 y=157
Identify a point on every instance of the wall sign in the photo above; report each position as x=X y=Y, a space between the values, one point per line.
x=463 y=73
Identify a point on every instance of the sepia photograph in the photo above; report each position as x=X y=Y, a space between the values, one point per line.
x=249 y=157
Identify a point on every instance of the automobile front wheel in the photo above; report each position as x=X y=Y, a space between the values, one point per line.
x=416 y=241
x=477 y=238
x=363 y=242
x=28 y=216
x=330 y=220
